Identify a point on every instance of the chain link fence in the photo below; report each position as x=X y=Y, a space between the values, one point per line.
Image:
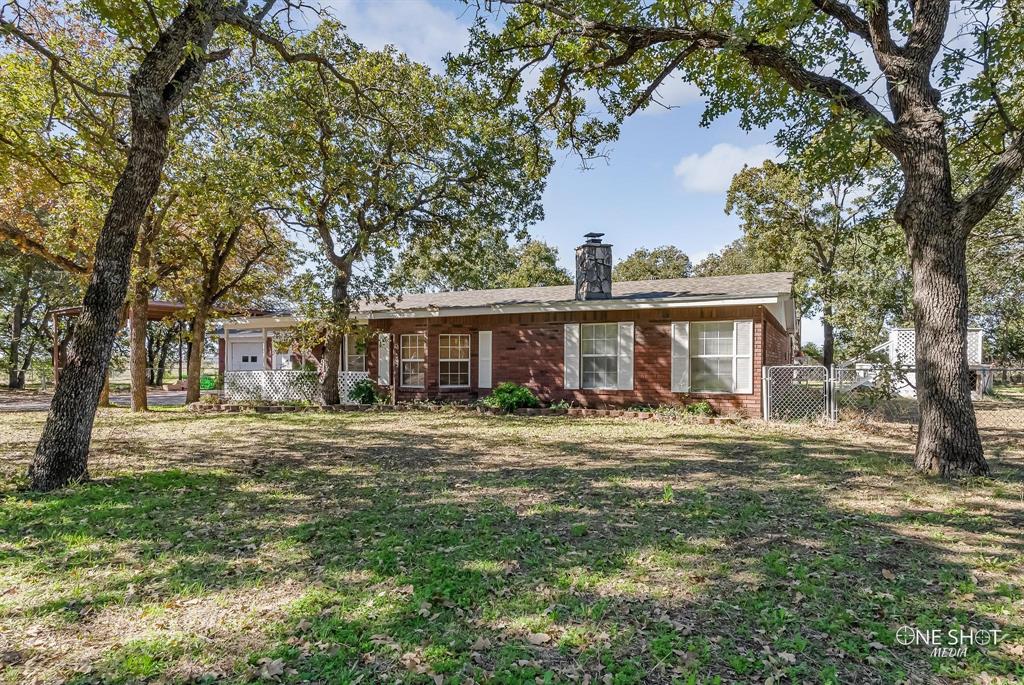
x=887 y=395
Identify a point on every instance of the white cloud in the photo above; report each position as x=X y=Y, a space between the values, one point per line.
x=712 y=171
x=416 y=27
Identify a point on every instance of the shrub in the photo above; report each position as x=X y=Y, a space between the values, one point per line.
x=511 y=396
x=365 y=392
x=560 y=404
x=702 y=408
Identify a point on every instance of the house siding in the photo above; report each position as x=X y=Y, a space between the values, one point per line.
x=528 y=349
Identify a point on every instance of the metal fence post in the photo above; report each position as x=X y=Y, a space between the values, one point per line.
x=766 y=395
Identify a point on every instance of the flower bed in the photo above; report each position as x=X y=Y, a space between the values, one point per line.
x=581 y=412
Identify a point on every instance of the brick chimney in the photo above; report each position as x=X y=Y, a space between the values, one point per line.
x=594 y=269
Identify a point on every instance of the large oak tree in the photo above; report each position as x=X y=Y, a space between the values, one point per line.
x=421 y=157
x=175 y=40
x=915 y=77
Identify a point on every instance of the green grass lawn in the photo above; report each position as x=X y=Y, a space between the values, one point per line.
x=447 y=547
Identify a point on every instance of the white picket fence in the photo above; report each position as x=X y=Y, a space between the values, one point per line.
x=283 y=385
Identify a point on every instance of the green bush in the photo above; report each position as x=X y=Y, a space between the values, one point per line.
x=511 y=396
x=365 y=392
x=702 y=408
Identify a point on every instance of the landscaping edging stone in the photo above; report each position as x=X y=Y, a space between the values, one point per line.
x=581 y=412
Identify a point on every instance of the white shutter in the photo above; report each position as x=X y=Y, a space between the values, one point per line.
x=572 y=356
x=384 y=359
x=681 y=356
x=744 y=359
x=625 y=355
x=484 y=357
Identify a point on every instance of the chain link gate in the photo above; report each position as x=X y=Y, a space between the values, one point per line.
x=797 y=392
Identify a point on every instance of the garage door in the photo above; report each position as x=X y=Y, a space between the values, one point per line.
x=246 y=355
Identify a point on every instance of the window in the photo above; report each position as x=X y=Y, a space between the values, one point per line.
x=355 y=353
x=712 y=356
x=453 y=360
x=414 y=360
x=599 y=352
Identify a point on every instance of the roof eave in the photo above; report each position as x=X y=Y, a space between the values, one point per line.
x=571 y=306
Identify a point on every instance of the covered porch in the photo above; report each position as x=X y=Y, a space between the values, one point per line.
x=259 y=361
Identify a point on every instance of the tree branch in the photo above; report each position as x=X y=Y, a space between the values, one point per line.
x=1003 y=174
x=56 y=61
x=31 y=246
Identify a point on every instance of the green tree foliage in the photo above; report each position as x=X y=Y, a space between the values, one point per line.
x=735 y=258
x=997 y=282
x=828 y=232
x=535 y=263
x=412 y=160
x=160 y=53
x=490 y=262
x=666 y=261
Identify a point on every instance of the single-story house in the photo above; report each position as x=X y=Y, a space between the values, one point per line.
x=596 y=343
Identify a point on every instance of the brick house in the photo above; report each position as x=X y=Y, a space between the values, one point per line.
x=598 y=343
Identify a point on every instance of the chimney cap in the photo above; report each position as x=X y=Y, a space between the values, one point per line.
x=593 y=237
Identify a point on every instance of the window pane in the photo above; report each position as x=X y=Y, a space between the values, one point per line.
x=711 y=339
x=599 y=351
x=454 y=373
x=711 y=374
x=414 y=352
x=453 y=347
x=413 y=374
x=599 y=372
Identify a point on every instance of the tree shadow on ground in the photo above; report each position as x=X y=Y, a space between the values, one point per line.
x=478 y=548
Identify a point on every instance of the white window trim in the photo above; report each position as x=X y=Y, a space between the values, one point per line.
x=402 y=359
x=468 y=360
x=615 y=356
x=691 y=356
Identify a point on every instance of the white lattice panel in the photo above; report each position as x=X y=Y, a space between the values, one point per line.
x=901 y=346
x=347 y=380
x=974 y=347
x=283 y=385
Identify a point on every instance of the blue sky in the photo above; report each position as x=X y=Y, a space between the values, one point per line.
x=663 y=182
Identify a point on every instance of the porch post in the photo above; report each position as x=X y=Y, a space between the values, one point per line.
x=227 y=349
x=263 y=352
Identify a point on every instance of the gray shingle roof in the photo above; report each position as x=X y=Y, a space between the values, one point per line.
x=712 y=287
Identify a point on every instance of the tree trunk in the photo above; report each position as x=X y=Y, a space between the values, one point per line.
x=828 y=344
x=16 y=378
x=329 y=391
x=197 y=330
x=137 y=344
x=104 y=400
x=165 y=346
x=948 y=443
x=168 y=70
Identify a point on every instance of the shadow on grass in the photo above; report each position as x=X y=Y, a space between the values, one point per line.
x=452 y=551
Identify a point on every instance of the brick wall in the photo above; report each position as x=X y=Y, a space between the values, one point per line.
x=528 y=349
x=778 y=349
